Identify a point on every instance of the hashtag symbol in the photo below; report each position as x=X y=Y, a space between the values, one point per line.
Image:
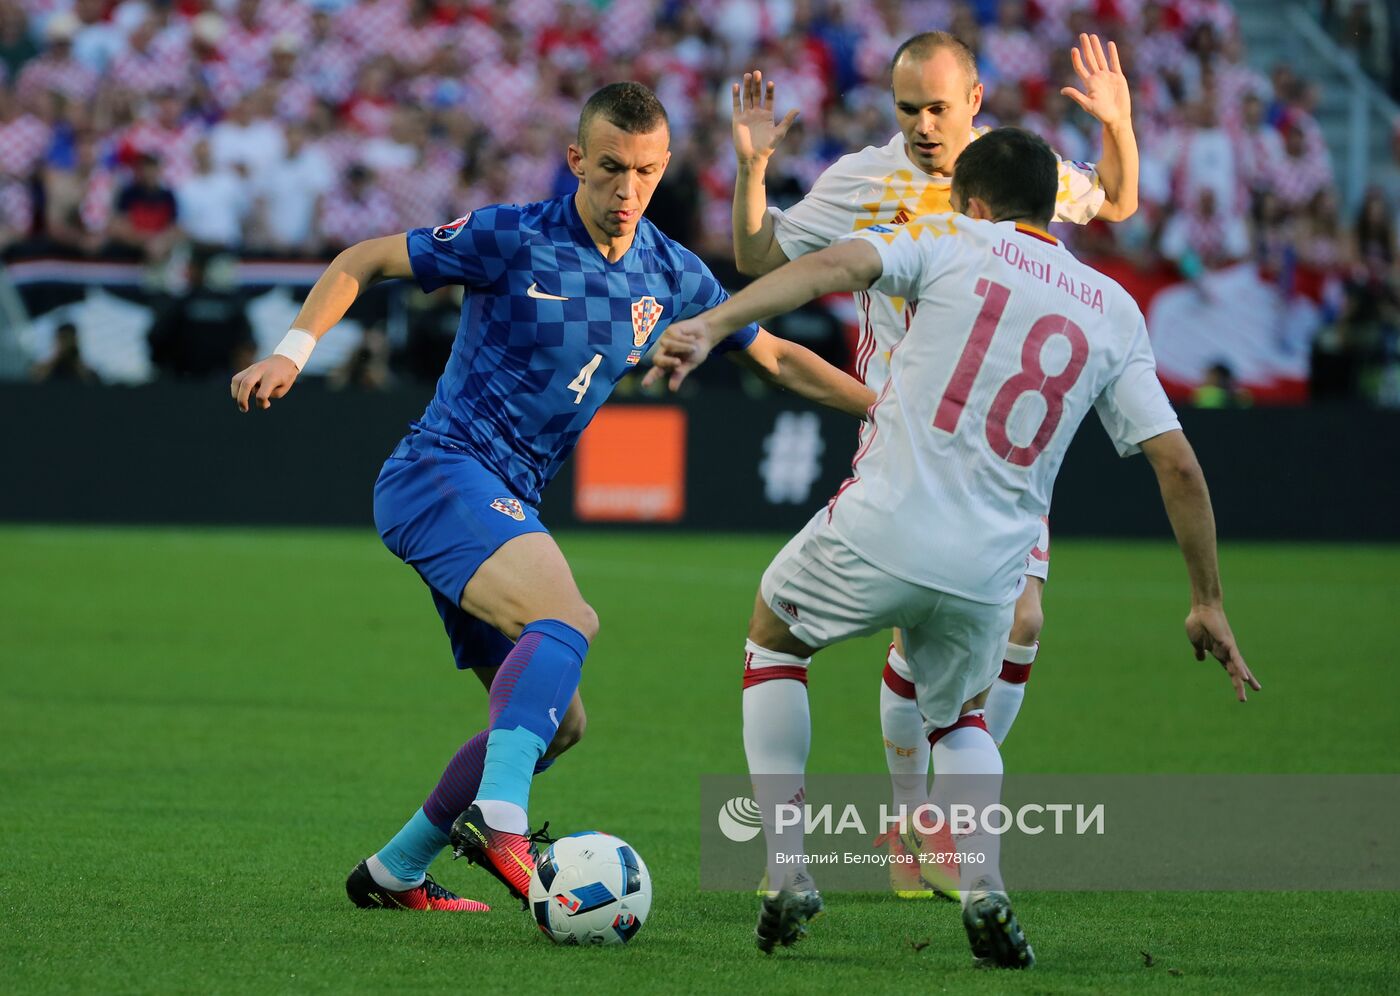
x=792 y=458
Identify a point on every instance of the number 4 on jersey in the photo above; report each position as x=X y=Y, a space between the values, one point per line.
x=585 y=377
x=1030 y=378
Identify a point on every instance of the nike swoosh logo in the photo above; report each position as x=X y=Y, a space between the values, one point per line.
x=540 y=295
x=553 y=718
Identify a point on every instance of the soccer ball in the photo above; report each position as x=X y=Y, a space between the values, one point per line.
x=590 y=888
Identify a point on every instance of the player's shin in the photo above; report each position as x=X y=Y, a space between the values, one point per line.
x=531 y=691
x=967 y=779
x=1009 y=690
x=902 y=724
x=460 y=781
x=777 y=739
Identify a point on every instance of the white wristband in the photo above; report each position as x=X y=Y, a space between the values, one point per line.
x=296 y=346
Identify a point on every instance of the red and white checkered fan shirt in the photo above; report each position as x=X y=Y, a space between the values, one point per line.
x=147 y=72
x=412 y=47
x=291 y=17
x=16 y=209
x=1297 y=181
x=345 y=221
x=68 y=77
x=95 y=209
x=505 y=90
x=225 y=80
x=1215 y=240
x=24 y=142
x=248 y=50
x=1219 y=14
x=23 y=145
x=366 y=25
x=330 y=68
x=423 y=193
x=1016 y=55
x=174 y=147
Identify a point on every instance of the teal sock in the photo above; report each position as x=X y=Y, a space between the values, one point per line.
x=530 y=694
x=413 y=848
x=510 y=765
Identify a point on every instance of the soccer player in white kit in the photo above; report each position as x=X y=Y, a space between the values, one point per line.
x=1012 y=341
x=936 y=94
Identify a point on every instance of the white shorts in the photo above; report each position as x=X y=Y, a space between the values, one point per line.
x=1038 y=562
x=826 y=593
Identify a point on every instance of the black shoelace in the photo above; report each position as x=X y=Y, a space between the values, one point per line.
x=541 y=838
x=436 y=891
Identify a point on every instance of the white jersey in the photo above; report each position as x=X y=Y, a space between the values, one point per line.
x=880 y=186
x=1012 y=341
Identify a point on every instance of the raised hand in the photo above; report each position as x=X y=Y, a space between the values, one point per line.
x=269 y=378
x=756 y=134
x=1209 y=632
x=682 y=347
x=1105 y=95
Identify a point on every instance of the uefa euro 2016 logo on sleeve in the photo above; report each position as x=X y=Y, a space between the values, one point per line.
x=449 y=231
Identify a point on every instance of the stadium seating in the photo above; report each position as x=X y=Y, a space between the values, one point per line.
x=286 y=130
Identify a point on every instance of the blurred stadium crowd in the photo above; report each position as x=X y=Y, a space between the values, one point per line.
x=152 y=131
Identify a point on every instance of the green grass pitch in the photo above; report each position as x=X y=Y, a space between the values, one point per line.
x=202 y=732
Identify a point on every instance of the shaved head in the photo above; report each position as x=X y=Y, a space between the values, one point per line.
x=629 y=106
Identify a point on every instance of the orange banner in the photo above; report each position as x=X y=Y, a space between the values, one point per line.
x=630 y=466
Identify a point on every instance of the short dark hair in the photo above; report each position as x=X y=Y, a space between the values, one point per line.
x=630 y=106
x=921 y=46
x=1012 y=171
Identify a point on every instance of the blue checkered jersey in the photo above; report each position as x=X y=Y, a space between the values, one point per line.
x=548 y=328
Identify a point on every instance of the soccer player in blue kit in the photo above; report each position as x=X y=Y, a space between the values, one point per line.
x=563 y=297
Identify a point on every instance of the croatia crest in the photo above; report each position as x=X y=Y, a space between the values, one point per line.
x=645 y=314
x=511 y=507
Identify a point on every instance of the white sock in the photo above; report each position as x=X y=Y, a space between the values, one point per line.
x=777 y=739
x=384 y=877
x=906 y=747
x=1005 y=697
x=970 y=751
x=504 y=816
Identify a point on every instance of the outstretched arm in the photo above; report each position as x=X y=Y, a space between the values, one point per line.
x=1187 y=501
x=1106 y=98
x=804 y=373
x=355 y=269
x=756 y=135
x=852 y=265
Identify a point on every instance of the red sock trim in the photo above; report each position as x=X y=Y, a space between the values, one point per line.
x=973 y=719
x=897 y=684
x=1015 y=674
x=779 y=672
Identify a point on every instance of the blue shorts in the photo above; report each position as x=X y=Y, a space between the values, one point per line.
x=443 y=513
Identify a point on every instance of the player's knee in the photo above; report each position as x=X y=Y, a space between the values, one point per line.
x=579 y=616
x=584 y=619
x=767 y=630
x=1027 y=624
